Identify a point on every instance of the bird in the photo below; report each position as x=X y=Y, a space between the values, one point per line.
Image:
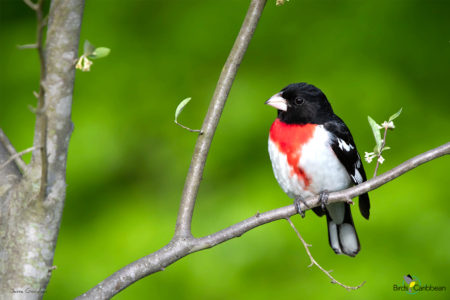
x=313 y=153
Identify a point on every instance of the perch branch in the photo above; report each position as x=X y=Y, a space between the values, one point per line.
x=178 y=248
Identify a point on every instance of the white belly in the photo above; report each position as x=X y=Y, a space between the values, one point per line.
x=318 y=161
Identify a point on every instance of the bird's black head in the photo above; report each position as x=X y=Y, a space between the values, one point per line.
x=301 y=103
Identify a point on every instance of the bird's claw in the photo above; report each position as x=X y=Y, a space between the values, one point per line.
x=297 y=203
x=323 y=198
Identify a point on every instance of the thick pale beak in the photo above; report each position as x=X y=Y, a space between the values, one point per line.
x=278 y=102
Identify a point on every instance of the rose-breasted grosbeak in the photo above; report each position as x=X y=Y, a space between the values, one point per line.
x=313 y=153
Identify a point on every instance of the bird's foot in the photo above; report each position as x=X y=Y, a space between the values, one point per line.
x=297 y=202
x=323 y=198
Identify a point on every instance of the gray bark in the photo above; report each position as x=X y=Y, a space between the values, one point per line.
x=29 y=220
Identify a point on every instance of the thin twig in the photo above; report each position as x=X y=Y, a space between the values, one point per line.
x=314 y=262
x=27 y=46
x=12 y=152
x=189 y=129
x=381 y=150
x=15 y=156
x=33 y=6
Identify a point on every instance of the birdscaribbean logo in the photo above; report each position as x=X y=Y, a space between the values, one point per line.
x=412 y=285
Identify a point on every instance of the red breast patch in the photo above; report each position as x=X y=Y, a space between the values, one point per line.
x=290 y=139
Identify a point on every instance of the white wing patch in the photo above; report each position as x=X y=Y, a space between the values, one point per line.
x=357 y=177
x=344 y=146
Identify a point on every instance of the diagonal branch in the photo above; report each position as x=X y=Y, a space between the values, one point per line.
x=17 y=157
x=179 y=248
x=194 y=176
x=31 y=4
x=12 y=152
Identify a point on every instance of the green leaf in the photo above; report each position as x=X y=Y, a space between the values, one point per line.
x=394 y=116
x=376 y=132
x=100 y=52
x=180 y=107
x=88 y=48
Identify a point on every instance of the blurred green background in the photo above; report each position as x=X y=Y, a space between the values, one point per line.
x=128 y=160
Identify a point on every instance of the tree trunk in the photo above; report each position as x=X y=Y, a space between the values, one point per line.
x=30 y=214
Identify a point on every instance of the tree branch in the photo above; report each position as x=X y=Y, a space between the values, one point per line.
x=32 y=5
x=12 y=152
x=178 y=248
x=17 y=157
x=9 y=176
x=194 y=176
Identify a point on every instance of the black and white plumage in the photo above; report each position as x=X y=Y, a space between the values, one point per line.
x=345 y=149
x=313 y=152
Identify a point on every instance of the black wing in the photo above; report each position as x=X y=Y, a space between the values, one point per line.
x=345 y=149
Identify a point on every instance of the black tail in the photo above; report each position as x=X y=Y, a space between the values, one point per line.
x=364 y=205
x=341 y=230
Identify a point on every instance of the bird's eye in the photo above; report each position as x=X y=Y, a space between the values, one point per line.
x=299 y=100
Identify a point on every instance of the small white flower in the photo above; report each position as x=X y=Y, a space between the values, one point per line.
x=84 y=64
x=380 y=159
x=389 y=125
x=87 y=64
x=79 y=64
x=368 y=156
